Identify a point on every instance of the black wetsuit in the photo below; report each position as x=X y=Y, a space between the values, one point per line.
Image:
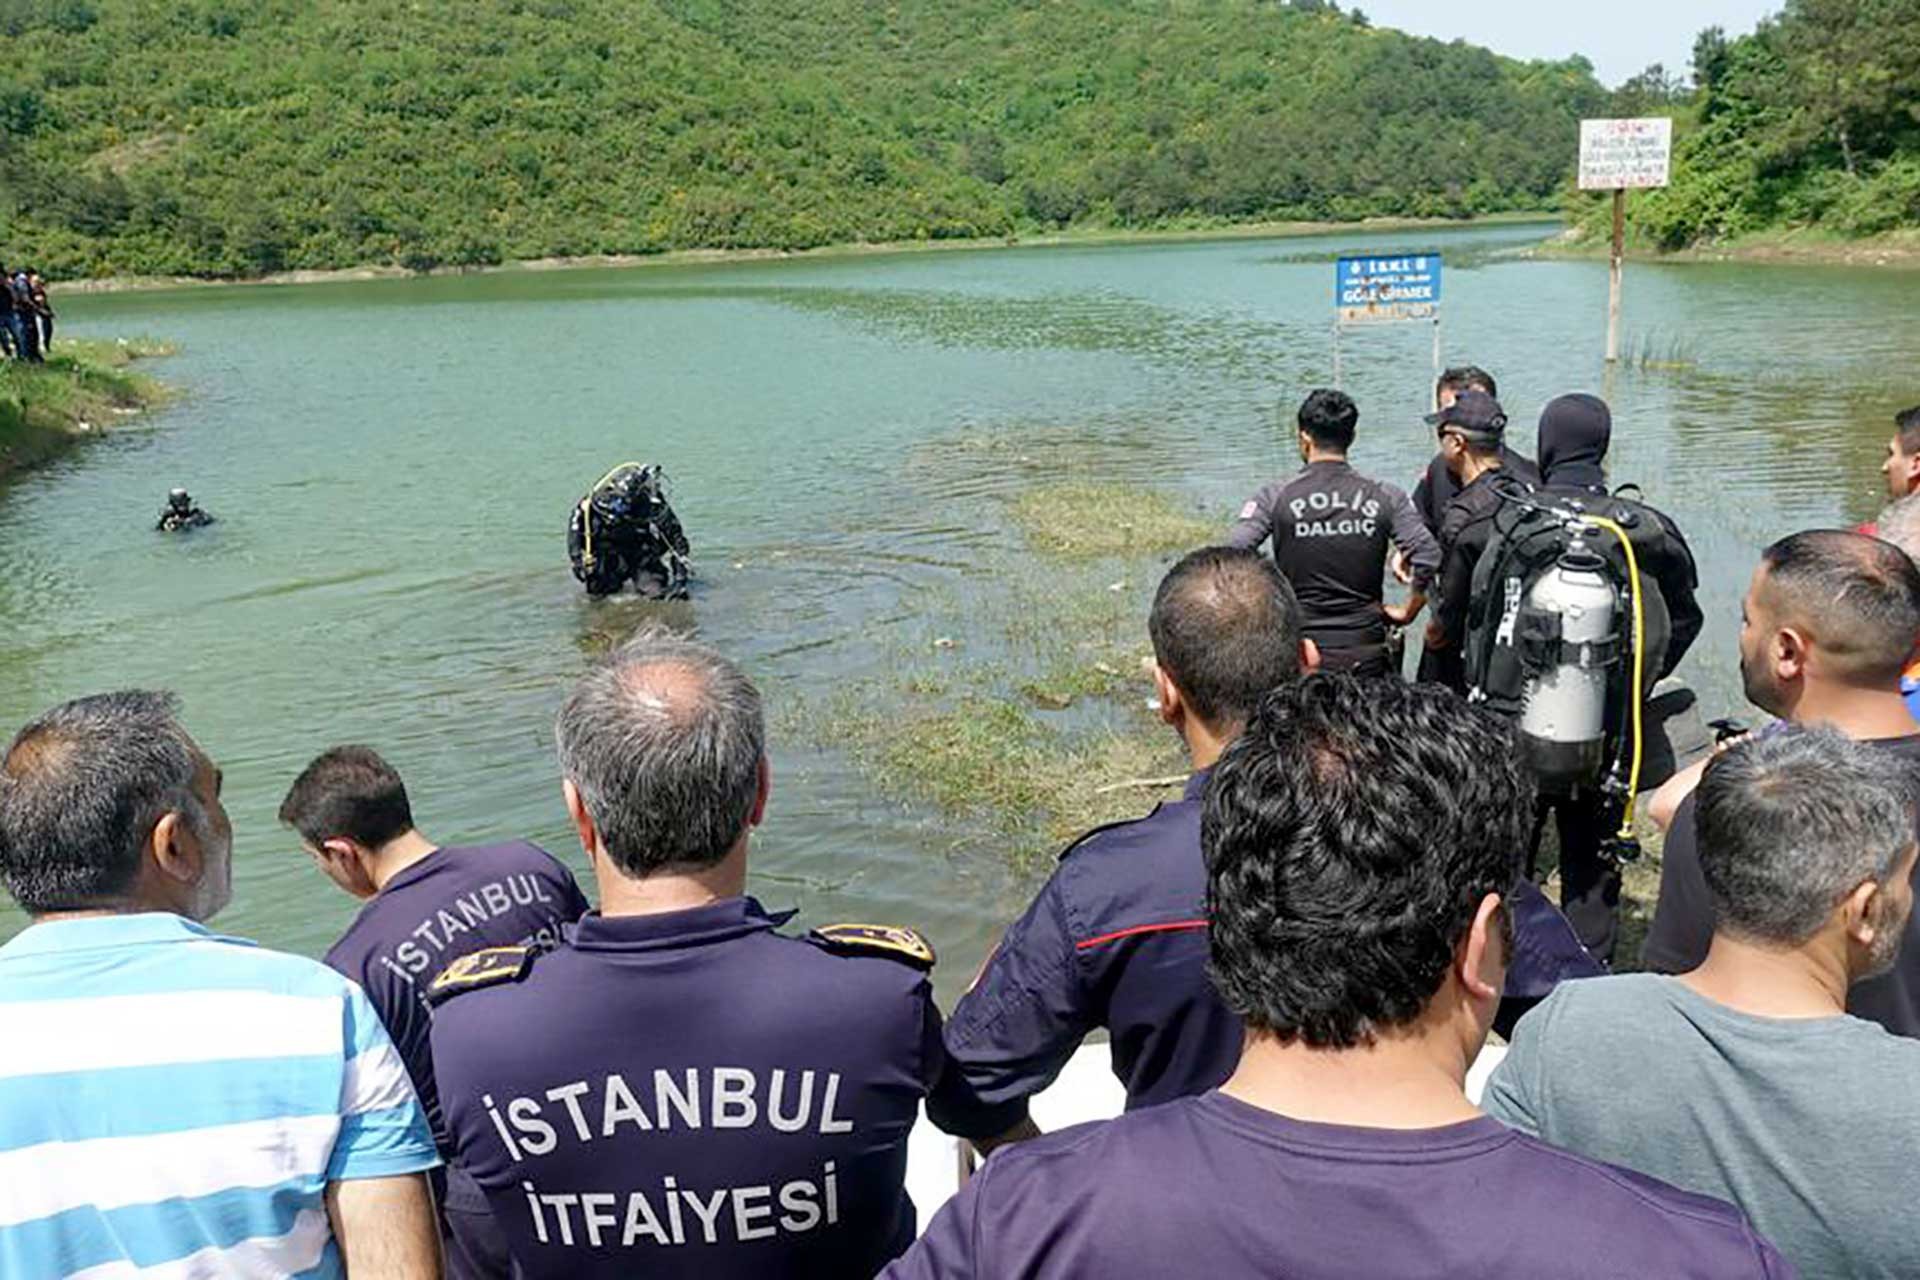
x=1466 y=530
x=172 y=520
x=1437 y=487
x=1573 y=457
x=1331 y=527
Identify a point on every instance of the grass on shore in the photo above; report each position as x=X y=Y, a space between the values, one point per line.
x=83 y=387
x=1810 y=246
x=1017 y=713
x=1082 y=520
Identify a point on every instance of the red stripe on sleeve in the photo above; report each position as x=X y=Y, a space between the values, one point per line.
x=1172 y=926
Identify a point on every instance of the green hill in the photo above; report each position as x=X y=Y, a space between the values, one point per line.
x=1811 y=121
x=235 y=137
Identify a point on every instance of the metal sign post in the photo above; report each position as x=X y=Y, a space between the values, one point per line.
x=1386 y=289
x=1621 y=154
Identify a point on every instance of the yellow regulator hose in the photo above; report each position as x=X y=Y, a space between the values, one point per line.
x=1639 y=665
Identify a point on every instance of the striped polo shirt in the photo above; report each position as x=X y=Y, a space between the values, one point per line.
x=173 y=1103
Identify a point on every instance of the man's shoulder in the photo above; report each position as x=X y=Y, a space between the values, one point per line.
x=1169 y=822
x=1146 y=858
x=510 y=854
x=856 y=963
x=227 y=962
x=1634 y=1204
x=1096 y=1150
x=1608 y=1005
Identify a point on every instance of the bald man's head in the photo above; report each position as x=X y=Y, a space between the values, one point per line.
x=1850 y=601
x=663 y=740
x=1226 y=630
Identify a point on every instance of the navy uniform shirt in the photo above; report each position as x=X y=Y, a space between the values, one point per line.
x=1214 y=1187
x=1117 y=938
x=691 y=1094
x=1331 y=527
x=1682 y=927
x=451 y=903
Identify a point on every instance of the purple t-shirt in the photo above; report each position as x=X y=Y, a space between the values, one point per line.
x=1213 y=1187
x=452 y=902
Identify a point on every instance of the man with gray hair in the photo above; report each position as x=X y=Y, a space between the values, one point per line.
x=1746 y=1079
x=173 y=1101
x=677 y=1089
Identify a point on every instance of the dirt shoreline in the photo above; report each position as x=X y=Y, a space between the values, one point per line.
x=1802 y=246
x=684 y=257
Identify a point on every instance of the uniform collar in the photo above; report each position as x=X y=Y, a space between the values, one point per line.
x=1329 y=464
x=93 y=933
x=1197 y=784
x=716 y=922
x=1483 y=478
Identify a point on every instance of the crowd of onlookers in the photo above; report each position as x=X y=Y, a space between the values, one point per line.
x=26 y=317
x=1297 y=962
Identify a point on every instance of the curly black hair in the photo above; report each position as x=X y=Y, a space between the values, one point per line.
x=1350 y=835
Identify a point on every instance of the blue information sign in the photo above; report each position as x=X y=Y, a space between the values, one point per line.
x=1387 y=287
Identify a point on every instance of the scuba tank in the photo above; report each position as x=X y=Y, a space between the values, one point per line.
x=1569 y=668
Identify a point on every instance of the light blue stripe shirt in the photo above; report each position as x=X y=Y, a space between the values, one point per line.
x=177 y=1100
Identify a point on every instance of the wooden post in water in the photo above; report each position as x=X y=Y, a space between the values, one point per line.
x=1613 y=273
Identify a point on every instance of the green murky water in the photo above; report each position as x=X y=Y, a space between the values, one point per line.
x=393 y=463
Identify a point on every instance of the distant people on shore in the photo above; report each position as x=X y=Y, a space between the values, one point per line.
x=180 y=514
x=37 y=292
x=26 y=316
x=27 y=302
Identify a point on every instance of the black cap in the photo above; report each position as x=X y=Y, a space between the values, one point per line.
x=1474 y=414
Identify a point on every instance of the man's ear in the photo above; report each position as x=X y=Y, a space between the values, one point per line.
x=1309 y=656
x=1789 y=652
x=582 y=820
x=760 y=796
x=1172 y=706
x=1861 y=909
x=175 y=854
x=1912 y=461
x=352 y=862
x=1483 y=958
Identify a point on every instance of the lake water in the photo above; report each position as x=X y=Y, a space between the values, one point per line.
x=393 y=463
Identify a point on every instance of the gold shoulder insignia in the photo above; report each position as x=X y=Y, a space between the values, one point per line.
x=484 y=968
x=894 y=941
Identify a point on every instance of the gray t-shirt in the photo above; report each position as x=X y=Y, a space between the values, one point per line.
x=1809 y=1125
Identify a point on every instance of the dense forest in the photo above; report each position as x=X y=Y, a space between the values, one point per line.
x=1812 y=120
x=238 y=137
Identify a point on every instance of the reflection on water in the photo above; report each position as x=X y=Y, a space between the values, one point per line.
x=393 y=463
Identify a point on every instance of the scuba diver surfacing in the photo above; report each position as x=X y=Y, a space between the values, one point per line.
x=181 y=514
x=624 y=531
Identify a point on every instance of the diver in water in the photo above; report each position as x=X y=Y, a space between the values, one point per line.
x=624 y=531
x=180 y=513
